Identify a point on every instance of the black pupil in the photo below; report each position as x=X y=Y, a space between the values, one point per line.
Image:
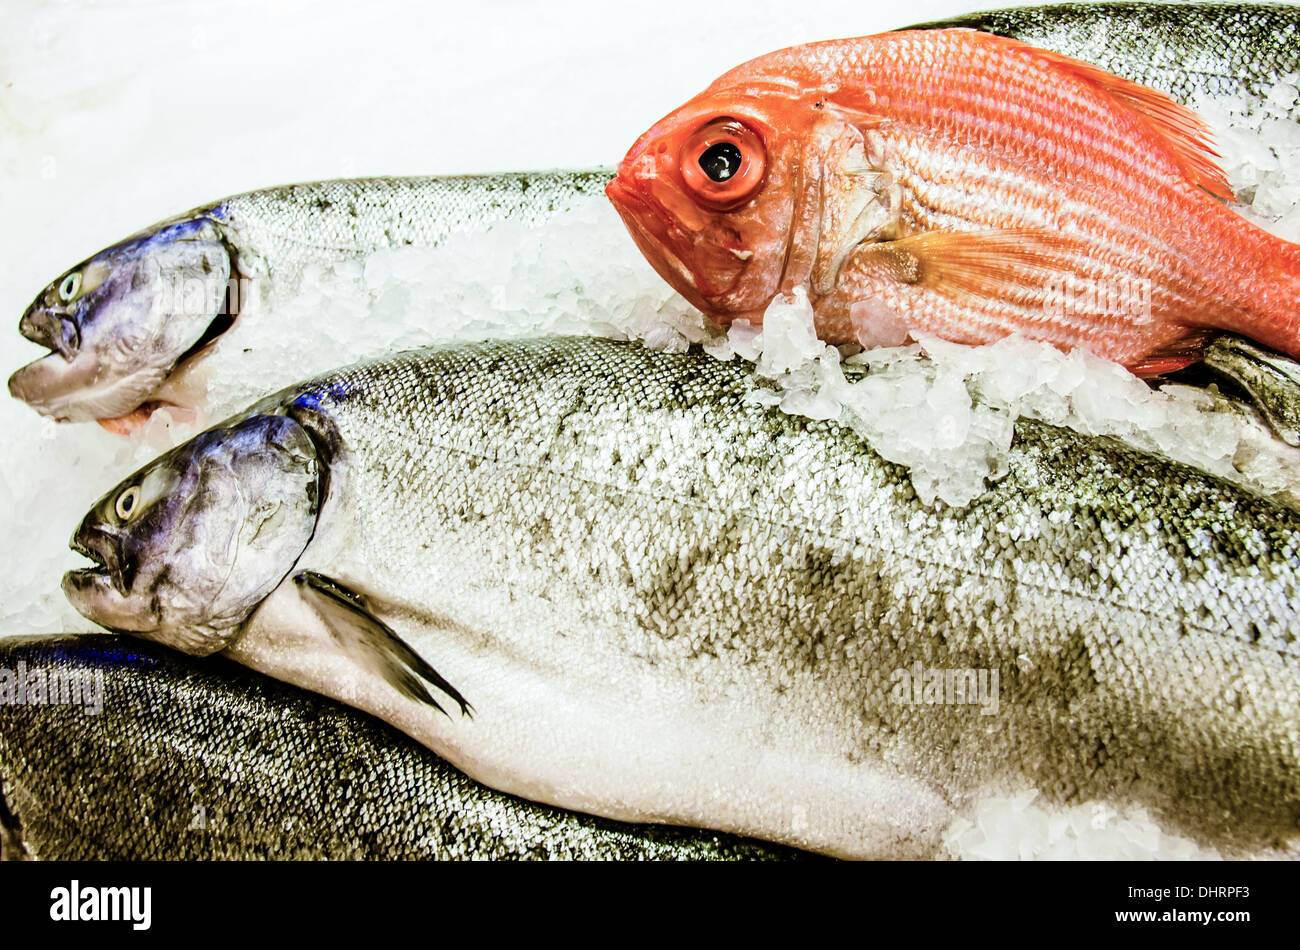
x=128 y=502
x=720 y=161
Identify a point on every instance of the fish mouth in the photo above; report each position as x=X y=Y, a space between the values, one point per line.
x=102 y=550
x=658 y=239
x=80 y=390
x=102 y=593
x=52 y=330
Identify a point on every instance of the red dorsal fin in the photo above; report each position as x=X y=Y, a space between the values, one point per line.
x=1187 y=136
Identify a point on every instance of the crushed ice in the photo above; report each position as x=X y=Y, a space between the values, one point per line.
x=1263 y=165
x=1020 y=826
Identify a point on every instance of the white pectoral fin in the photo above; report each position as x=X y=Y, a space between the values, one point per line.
x=321 y=634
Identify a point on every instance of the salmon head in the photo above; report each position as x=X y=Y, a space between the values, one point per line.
x=758 y=185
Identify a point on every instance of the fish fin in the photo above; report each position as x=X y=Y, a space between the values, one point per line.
x=1000 y=263
x=350 y=621
x=1183 y=130
x=1173 y=356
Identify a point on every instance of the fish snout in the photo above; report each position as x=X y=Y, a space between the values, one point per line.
x=102 y=593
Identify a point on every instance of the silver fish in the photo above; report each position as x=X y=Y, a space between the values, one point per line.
x=119 y=324
x=604 y=578
x=241 y=767
x=1222 y=50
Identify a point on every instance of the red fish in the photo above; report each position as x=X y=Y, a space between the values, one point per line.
x=959 y=184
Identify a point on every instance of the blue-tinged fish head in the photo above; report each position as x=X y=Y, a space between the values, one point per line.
x=118 y=324
x=186 y=548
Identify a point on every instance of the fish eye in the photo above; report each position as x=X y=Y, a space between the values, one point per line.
x=720 y=161
x=723 y=163
x=127 y=503
x=68 y=289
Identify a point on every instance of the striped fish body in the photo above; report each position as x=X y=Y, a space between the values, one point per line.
x=960 y=184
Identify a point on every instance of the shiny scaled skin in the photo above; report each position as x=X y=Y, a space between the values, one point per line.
x=666 y=602
x=960 y=184
x=200 y=759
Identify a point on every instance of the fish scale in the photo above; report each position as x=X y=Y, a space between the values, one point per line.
x=349 y=218
x=1127 y=153
x=1222 y=50
x=648 y=587
x=244 y=768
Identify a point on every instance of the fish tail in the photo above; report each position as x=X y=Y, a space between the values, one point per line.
x=1275 y=320
x=1255 y=289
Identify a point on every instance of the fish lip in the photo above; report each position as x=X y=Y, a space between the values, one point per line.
x=80 y=390
x=37 y=384
x=630 y=204
x=101 y=549
x=45 y=384
x=657 y=245
x=51 y=328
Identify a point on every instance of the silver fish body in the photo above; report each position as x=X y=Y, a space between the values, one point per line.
x=345 y=219
x=1223 y=50
x=120 y=324
x=634 y=592
x=184 y=759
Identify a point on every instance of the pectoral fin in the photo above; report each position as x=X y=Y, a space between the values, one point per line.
x=1002 y=263
x=371 y=642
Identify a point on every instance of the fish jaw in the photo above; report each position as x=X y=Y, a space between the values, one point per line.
x=701 y=257
x=79 y=390
x=664 y=246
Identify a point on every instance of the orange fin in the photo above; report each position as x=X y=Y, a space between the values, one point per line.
x=1000 y=263
x=1183 y=130
x=1173 y=356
